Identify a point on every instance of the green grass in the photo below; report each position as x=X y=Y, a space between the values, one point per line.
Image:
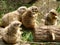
x=27 y=36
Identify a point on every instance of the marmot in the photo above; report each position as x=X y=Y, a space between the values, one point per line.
x=15 y=15
x=51 y=17
x=29 y=17
x=12 y=32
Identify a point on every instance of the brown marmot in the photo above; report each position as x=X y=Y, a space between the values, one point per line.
x=12 y=32
x=51 y=17
x=29 y=17
x=11 y=16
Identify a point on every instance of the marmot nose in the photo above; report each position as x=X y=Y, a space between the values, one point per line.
x=56 y=17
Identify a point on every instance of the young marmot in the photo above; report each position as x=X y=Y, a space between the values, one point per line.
x=51 y=17
x=12 y=32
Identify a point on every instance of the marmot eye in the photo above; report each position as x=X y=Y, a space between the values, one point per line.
x=32 y=9
x=16 y=24
x=53 y=13
x=22 y=9
x=35 y=8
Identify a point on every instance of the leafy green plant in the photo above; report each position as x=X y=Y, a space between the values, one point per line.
x=27 y=36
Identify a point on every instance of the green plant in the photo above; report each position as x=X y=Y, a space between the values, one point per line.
x=27 y=36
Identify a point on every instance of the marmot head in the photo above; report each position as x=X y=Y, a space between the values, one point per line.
x=29 y=14
x=53 y=13
x=22 y=9
x=15 y=24
x=34 y=9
